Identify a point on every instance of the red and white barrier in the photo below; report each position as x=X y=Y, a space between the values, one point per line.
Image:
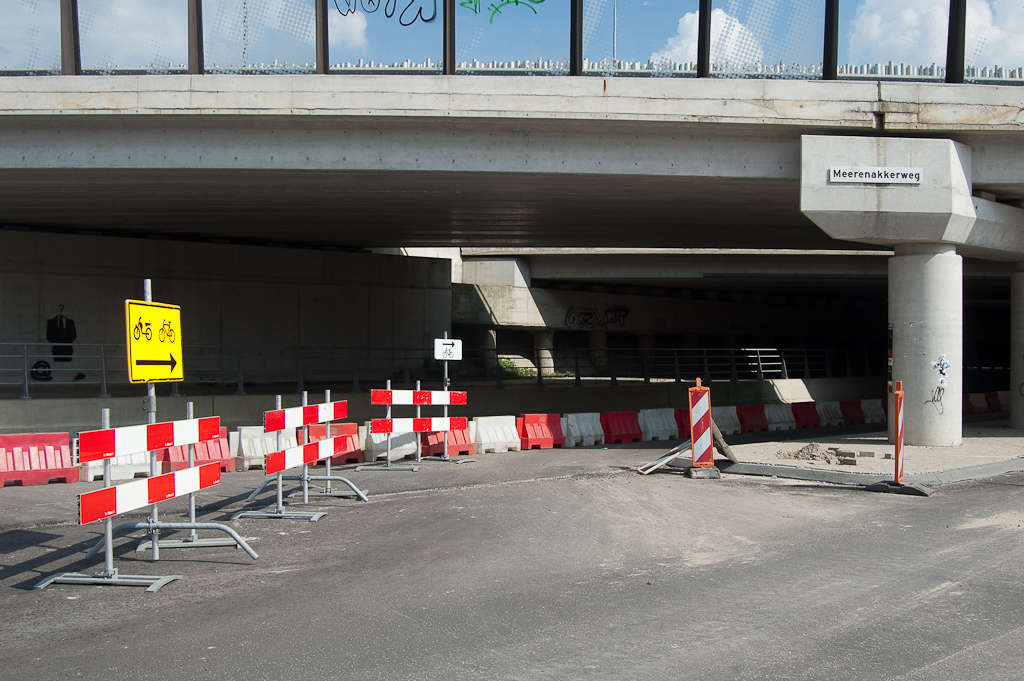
x=418 y=397
x=311 y=453
x=296 y=417
x=700 y=426
x=95 y=445
x=419 y=425
x=111 y=501
x=898 y=456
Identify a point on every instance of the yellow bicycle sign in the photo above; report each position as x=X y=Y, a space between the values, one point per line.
x=153 y=335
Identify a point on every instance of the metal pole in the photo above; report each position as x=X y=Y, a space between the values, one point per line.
x=305 y=439
x=189 y=413
x=327 y=466
x=576 y=37
x=24 y=357
x=704 y=39
x=830 y=53
x=387 y=461
x=419 y=441
x=103 y=372
x=323 y=64
x=444 y=450
x=448 y=37
x=147 y=295
x=280 y=474
x=108 y=531
x=955 y=46
x=70 y=47
x=196 y=64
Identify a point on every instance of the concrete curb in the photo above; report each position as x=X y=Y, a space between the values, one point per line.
x=930 y=478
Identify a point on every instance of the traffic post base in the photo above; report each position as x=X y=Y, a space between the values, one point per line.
x=889 y=487
x=704 y=473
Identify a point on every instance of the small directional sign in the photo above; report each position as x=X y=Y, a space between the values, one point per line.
x=448 y=349
x=154 y=342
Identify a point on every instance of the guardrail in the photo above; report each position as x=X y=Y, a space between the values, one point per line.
x=41 y=370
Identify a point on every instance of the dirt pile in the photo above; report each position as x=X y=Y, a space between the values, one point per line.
x=811 y=452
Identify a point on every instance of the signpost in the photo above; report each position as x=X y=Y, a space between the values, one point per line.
x=153 y=334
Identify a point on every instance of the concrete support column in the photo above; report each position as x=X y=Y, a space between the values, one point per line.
x=1017 y=347
x=543 y=346
x=926 y=311
x=599 y=350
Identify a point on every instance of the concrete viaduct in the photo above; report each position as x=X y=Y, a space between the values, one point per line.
x=502 y=162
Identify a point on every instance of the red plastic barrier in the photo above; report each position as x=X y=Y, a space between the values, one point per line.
x=621 y=426
x=353 y=452
x=432 y=444
x=752 y=419
x=853 y=412
x=683 y=421
x=968 y=408
x=36 y=459
x=540 y=431
x=806 y=415
x=994 y=405
x=211 y=451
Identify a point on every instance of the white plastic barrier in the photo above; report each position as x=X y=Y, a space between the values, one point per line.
x=584 y=429
x=874 y=412
x=1004 y=399
x=726 y=420
x=495 y=434
x=254 y=444
x=978 y=403
x=830 y=413
x=376 y=445
x=124 y=467
x=780 y=416
x=569 y=441
x=658 y=424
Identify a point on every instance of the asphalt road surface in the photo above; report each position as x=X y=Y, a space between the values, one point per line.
x=601 y=574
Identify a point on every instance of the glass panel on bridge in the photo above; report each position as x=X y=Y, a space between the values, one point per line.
x=640 y=38
x=512 y=37
x=127 y=36
x=403 y=36
x=767 y=39
x=994 y=48
x=259 y=36
x=30 y=38
x=886 y=40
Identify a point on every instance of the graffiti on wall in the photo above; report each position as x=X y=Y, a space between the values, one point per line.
x=940 y=390
x=590 y=318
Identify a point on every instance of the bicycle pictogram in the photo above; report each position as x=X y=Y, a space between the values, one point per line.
x=139 y=331
x=166 y=332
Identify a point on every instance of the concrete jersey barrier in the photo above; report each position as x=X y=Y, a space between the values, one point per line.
x=584 y=429
x=495 y=434
x=658 y=424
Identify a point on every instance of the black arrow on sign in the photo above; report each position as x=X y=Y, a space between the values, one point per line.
x=157 y=362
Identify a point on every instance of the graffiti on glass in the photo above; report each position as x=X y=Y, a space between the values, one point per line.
x=495 y=7
x=412 y=10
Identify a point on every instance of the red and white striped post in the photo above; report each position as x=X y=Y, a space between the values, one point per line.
x=700 y=426
x=898 y=456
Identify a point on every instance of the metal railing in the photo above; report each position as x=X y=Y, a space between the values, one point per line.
x=47 y=370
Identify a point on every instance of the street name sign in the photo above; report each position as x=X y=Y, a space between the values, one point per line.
x=153 y=332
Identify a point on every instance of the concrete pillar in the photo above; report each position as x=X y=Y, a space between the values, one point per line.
x=544 y=345
x=1017 y=347
x=599 y=350
x=926 y=311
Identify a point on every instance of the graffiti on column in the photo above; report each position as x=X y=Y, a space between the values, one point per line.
x=590 y=318
x=937 y=393
x=412 y=10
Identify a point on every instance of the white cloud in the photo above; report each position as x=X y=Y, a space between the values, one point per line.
x=908 y=31
x=348 y=31
x=995 y=33
x=30 y=35
x=133 y=34
x=732 y=43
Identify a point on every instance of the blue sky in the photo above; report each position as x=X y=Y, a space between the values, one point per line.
x=152 y=32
